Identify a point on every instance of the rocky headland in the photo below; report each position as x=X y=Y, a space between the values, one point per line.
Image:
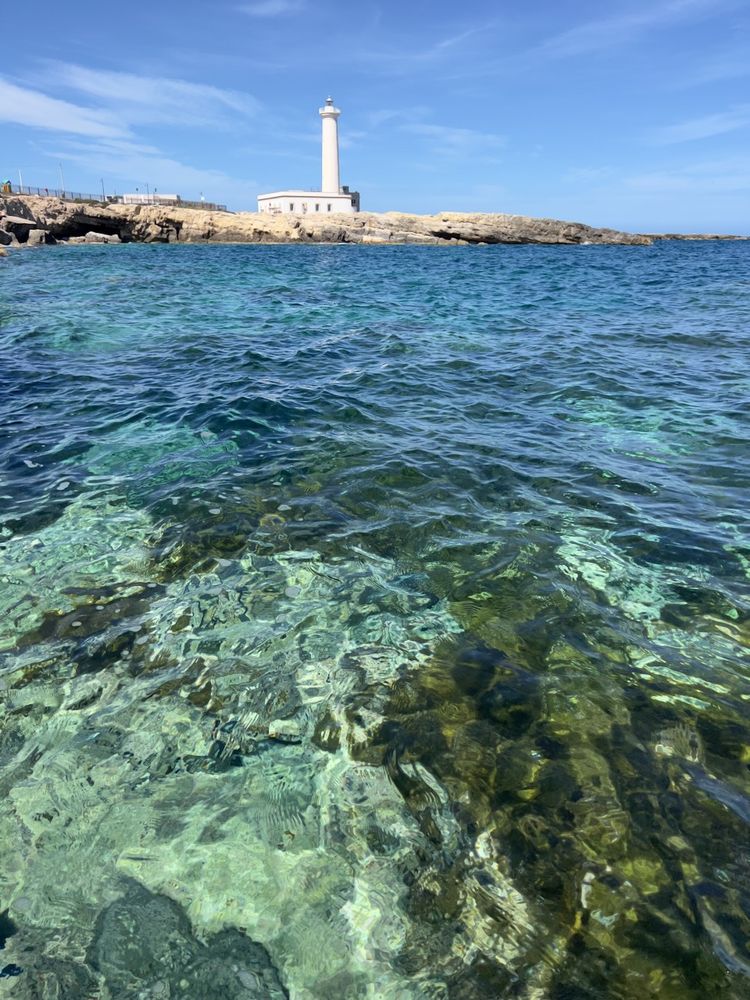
x=694 y=236
x=33 y=221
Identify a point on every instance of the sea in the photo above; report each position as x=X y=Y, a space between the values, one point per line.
x=375 y=622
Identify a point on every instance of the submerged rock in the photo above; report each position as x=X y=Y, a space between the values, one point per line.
x=239 y=817
x=46 y=576
x=144 y=945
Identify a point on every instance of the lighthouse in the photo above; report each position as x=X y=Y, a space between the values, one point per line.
x=330 y=118
x=332 y=197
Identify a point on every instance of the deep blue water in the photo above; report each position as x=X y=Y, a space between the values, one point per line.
x=375 y=621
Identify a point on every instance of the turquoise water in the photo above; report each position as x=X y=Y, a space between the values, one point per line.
x=374 y=622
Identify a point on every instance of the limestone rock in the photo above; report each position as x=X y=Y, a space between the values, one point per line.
x=14 y=205
x=93 y=237
x=6 y=238
x=694 y=236
x=17 y=227
x=36 y=237
x=170 y=224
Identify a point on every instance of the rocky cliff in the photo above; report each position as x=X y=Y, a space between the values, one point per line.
x=49 y=219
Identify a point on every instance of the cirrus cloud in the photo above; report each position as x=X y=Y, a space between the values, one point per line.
x=271 y=8
x=23 y=106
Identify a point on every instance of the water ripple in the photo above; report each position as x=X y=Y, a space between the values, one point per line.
x=390 y=606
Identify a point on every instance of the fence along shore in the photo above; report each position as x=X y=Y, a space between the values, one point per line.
x=108 y=199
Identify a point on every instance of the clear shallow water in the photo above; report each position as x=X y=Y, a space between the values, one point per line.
x=374 y=622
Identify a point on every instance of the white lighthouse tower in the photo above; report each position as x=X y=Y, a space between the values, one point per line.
x=330 y=117
x=332 y=197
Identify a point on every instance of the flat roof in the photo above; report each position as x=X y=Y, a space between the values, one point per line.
x=305 y=194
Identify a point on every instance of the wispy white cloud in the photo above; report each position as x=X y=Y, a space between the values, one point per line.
x=607 y=32
x=728 y=64
x=23 y=106
x=451 y=140
x=473 y=53
x=350 y=139
x=452 y=41
x=407 y=60
x=139 y=99
x=101 y=126
x=726 y=176
x=587 y=175
x=384 y=116
x=271 y=8
x=131 y=165
x=704 y=127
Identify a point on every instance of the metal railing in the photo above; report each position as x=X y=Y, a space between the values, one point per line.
x=53 y=193
x=105 y=199
x=207 y=206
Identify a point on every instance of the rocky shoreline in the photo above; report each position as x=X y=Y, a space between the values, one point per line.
x=695 y=236
x=34 y=221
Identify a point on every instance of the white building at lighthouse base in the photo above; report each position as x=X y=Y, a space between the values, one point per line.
x=308 y=202
x=332 y=197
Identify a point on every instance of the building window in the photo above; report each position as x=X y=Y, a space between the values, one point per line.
x=317 y=207
x=291 y=206
x=329 y=206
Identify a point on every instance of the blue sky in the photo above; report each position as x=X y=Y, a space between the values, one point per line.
x=632 y=113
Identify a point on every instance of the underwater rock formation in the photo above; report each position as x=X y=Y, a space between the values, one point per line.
x=144 y=944
x=318 y=676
